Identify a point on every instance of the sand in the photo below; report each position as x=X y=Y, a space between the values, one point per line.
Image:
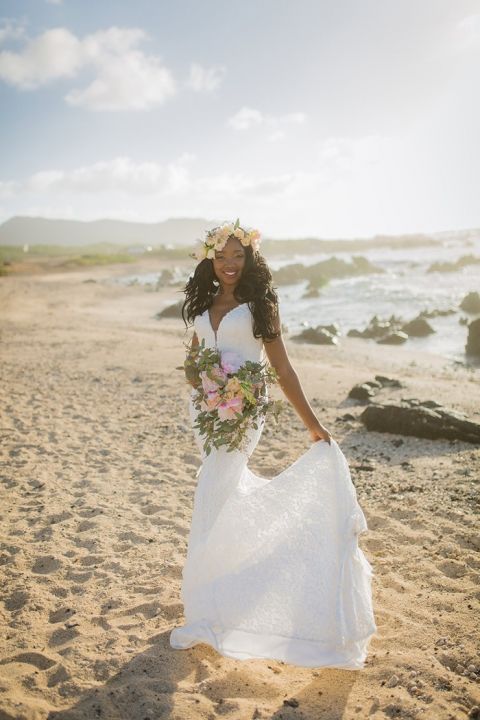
x=97 y=488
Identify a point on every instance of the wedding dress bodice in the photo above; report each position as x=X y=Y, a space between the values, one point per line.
x=234 y=333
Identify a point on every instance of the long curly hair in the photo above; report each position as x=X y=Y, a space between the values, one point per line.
x=255 y=287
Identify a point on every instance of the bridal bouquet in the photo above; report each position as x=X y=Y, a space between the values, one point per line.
x=230 y=394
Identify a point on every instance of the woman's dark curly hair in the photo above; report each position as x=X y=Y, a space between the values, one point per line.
x=254 y=287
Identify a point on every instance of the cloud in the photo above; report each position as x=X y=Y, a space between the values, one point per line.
x=11 y=29
x=131 y=81
x=9 y=188
x=118 y=175
x=205 y=79
x=125 y=78
x=346 y=155
x=54 y=54
x=54 y=2
x=247 y=118
x=124 y=176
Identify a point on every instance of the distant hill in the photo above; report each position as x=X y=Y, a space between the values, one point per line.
x=19 y=231
x=182 y=232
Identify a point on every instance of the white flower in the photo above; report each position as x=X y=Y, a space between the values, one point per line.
x=220 y=244
x=201 y=251
x=216 y=239
x=228 y=229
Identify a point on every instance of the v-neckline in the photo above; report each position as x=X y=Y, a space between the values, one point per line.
x=215 y=332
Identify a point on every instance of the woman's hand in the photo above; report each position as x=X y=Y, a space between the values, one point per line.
x=318 y=432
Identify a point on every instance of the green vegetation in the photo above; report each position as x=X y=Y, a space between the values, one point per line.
x=97 y=259
x=169 y=253
x=76 y=256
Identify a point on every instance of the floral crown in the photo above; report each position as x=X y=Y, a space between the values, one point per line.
x=216 y=239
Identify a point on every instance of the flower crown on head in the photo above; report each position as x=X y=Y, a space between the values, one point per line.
x=216 y=239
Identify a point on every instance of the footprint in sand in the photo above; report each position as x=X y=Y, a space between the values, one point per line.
x=41 y=662
x=377 y=545
x=469 y=542
x=86 y=525
x=59 y=675
x=191 y=459
x=377 y=522
x=17 y=600
x=172 y=611
x=91 y=560
x=60 y=615
x=151 y=509
x=62 y=636
x=181 y=530
x=133 y=537
x=46 y=564
x=453 y=569
x=58 y=518
x=79 y=577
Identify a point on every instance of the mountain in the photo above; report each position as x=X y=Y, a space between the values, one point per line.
x=181 y=232
x=20 y=230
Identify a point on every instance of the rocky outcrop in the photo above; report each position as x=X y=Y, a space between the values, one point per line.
x=319 y=273
x=418 y=327
x=367 y=390
x=171 y=311
x=313 y=287
x=426 y=419
x=395 y=338
x=473 y=340
x=377 y=328
x=319 y=335
x=393 y=331
x=471 y=303
x=453 y=266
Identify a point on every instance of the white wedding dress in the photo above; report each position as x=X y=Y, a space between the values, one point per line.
x=273 y=567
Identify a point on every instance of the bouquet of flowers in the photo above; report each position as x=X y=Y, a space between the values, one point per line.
x=230 y=394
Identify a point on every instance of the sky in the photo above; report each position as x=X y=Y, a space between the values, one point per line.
x=334 y=119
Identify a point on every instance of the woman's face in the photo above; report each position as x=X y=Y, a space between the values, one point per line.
x=229 y=262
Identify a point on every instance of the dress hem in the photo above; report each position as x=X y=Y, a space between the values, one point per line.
x=232 y=643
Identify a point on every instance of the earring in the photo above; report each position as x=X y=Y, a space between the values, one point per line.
x=216 y=283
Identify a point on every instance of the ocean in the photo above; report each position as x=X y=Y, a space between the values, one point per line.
x=404 y=289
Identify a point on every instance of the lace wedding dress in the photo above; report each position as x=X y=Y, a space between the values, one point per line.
x=273 y=567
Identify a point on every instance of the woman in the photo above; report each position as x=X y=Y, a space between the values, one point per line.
x=273 y=567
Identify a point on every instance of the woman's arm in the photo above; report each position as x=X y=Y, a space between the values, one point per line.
x=291 y=386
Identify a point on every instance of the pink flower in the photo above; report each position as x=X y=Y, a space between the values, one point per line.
x=228 y=409
x=219 y=374
x=212 y=400
x=208 y=384
x=231 y=362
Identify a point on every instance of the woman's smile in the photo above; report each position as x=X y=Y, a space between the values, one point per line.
x=229 y=262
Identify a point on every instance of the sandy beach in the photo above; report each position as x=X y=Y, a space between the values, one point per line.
x=97 y=487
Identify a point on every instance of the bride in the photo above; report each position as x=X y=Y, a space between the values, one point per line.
x=273 y=567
